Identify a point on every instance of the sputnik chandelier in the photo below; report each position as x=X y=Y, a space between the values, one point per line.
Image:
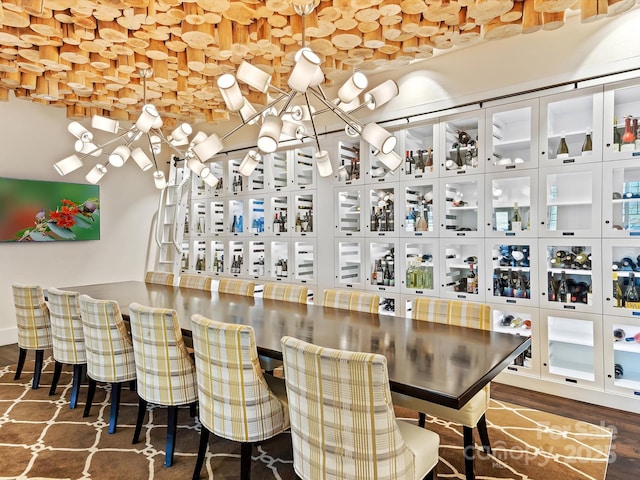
x=289 y=117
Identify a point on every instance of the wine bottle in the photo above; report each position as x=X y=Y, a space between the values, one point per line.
x=628 y=136
x=421 y=222
x=379 y=274
x=298 y=223
x=563 y=149
x=552 y=288
x=233 y=224
x=215 y=262
x=516 y=219
x=617 y=290
x=186 y=224
x=407 y=163
x=285 y=268
x=472 y=284
x=392 y=273
x=563 y=288
x=260 y=269
x=617 y=140
x=587 y=146
x=631 y=297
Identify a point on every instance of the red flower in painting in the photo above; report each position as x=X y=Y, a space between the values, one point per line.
x=64 y=216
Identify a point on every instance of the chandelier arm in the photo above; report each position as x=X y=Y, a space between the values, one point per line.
x=289 y=100
x=153 y=154
x=344 y=116
x=101 y=146
x=167 y=142
x=253 y=117
x=313 y=123
x=279 y=90
x=360 y=107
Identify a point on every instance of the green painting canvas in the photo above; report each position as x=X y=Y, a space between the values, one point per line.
x=40 y=211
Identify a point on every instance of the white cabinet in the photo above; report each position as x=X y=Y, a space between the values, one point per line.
x=420 y=145
x=621 y=199
x=419 y=271
x=461 y=260
x=278 y=172
x=278 y=260
x=303 y=166
x=621 y=264
x=350 y=211
x=381 y=265
x=511 y=200
x=622 y=355
x=522 y=321
x=567 y=122
x=349 y=263
x=256 y=258
x=461 y=140
x=512 y=277
x=461 y=212
x=277 y=218
x=511 y=136
x=348 y=163
x=571 y=274
x=304 y=261
x=418 y=208
x=382 y=203
x=302 y=222
x=621 y=114
x=571 y=348
x=570 y=201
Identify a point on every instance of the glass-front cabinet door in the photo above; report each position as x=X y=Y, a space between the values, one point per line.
x=460 y=214
x=621 y=199
x=279 y=260
x=622 y=355
x=461 y=264
x=216 y=216
x=621 y=264
x=418 y=269
x=256 y=181
x=235 y=265
x=571 y=274
x=349 y=263
x=304 y=167
x=571 y=127
x=621 y=114
x=255 y=215
x=511 y=138
x=216 y=249
x=382 y=268
x=277 y=216
x=277 y=165
x=418 y=208
x=571 y=348
x=349 y=165
x=304 y=261
x=235 y=182
x=236 y=216
x=511 y=204
x=570 y=201
x=350 y=211
x=520 y=321
x=420 y=145
x=303 y=210
x=513 y=276
x=383 y=208
x=256 y=260
x=377 y=171
x=462 y=148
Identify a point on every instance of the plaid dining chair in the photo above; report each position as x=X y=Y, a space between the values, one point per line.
x=343 y=424
x=236 y=286
x=200 y=282
x=237 y=402
x=285 y=293
x=348 y=300
x=109 y=351
x=68 y=339
x=34 y=327
x=162 y=278
x=473 y=413
x=165 y=372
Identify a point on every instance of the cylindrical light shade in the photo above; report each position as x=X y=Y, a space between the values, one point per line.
x=249 y=163
x=304 y=70
x=81 y=133
x=270 y=134
x=147 y=118
x=348 y=107
x=141 y=159
x=317 y=78
x=156 y=144
x=96 y=173
x=248 y=112
x=105 y=124
x=390 y=160
x=180 y=135
x=291 y=130
x=199 y=138
x=353 y=87
x=379 y=138
x=119 y=156
x=323 y=162
x=159 y=180
x=208 y=148
x=68 y=165
x=230 y=91
x=300 y=113
x=211 y=180
x=253 y=76
x=197 y=167
x=381 y=94
x=87 y=148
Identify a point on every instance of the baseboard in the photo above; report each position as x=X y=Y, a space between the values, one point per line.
x=8 y=336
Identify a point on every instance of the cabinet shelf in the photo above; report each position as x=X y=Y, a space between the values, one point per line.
x=567 y=337
x=572 y=372
x=631 y=347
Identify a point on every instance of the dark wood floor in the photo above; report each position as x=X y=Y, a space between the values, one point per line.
x=625 y=450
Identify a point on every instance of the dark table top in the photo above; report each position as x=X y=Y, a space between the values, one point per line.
x=439 y=363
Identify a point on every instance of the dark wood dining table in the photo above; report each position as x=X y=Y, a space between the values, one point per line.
x=434 y=362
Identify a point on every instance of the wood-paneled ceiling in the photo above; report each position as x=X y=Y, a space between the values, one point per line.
x=84 y=55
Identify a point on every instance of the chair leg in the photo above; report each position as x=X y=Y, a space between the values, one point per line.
x=37 y=370
x=115 y=406
x=245 y=460
x=202 y=450
x=484 y=434
x=132 y=385
x=467 y=434
x=22 y=356
x=90 y=394
x=422 y=419
x=78 y=373
x=432 y=474
x=57 y=370
x=172 y=428
x=142 y=409
x=193 y=409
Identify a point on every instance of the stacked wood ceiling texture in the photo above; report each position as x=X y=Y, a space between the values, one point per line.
x=84 y=55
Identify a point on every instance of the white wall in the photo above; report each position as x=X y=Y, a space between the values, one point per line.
x=32 y=138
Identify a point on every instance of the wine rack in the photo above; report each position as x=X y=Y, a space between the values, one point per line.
x=504 y=193
x=420 y=148
x=622 y=361
x=522 y=321
x=462 y=144
x=350 y=208
x=621 y=108
x=349 y=166
x=512 y=280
